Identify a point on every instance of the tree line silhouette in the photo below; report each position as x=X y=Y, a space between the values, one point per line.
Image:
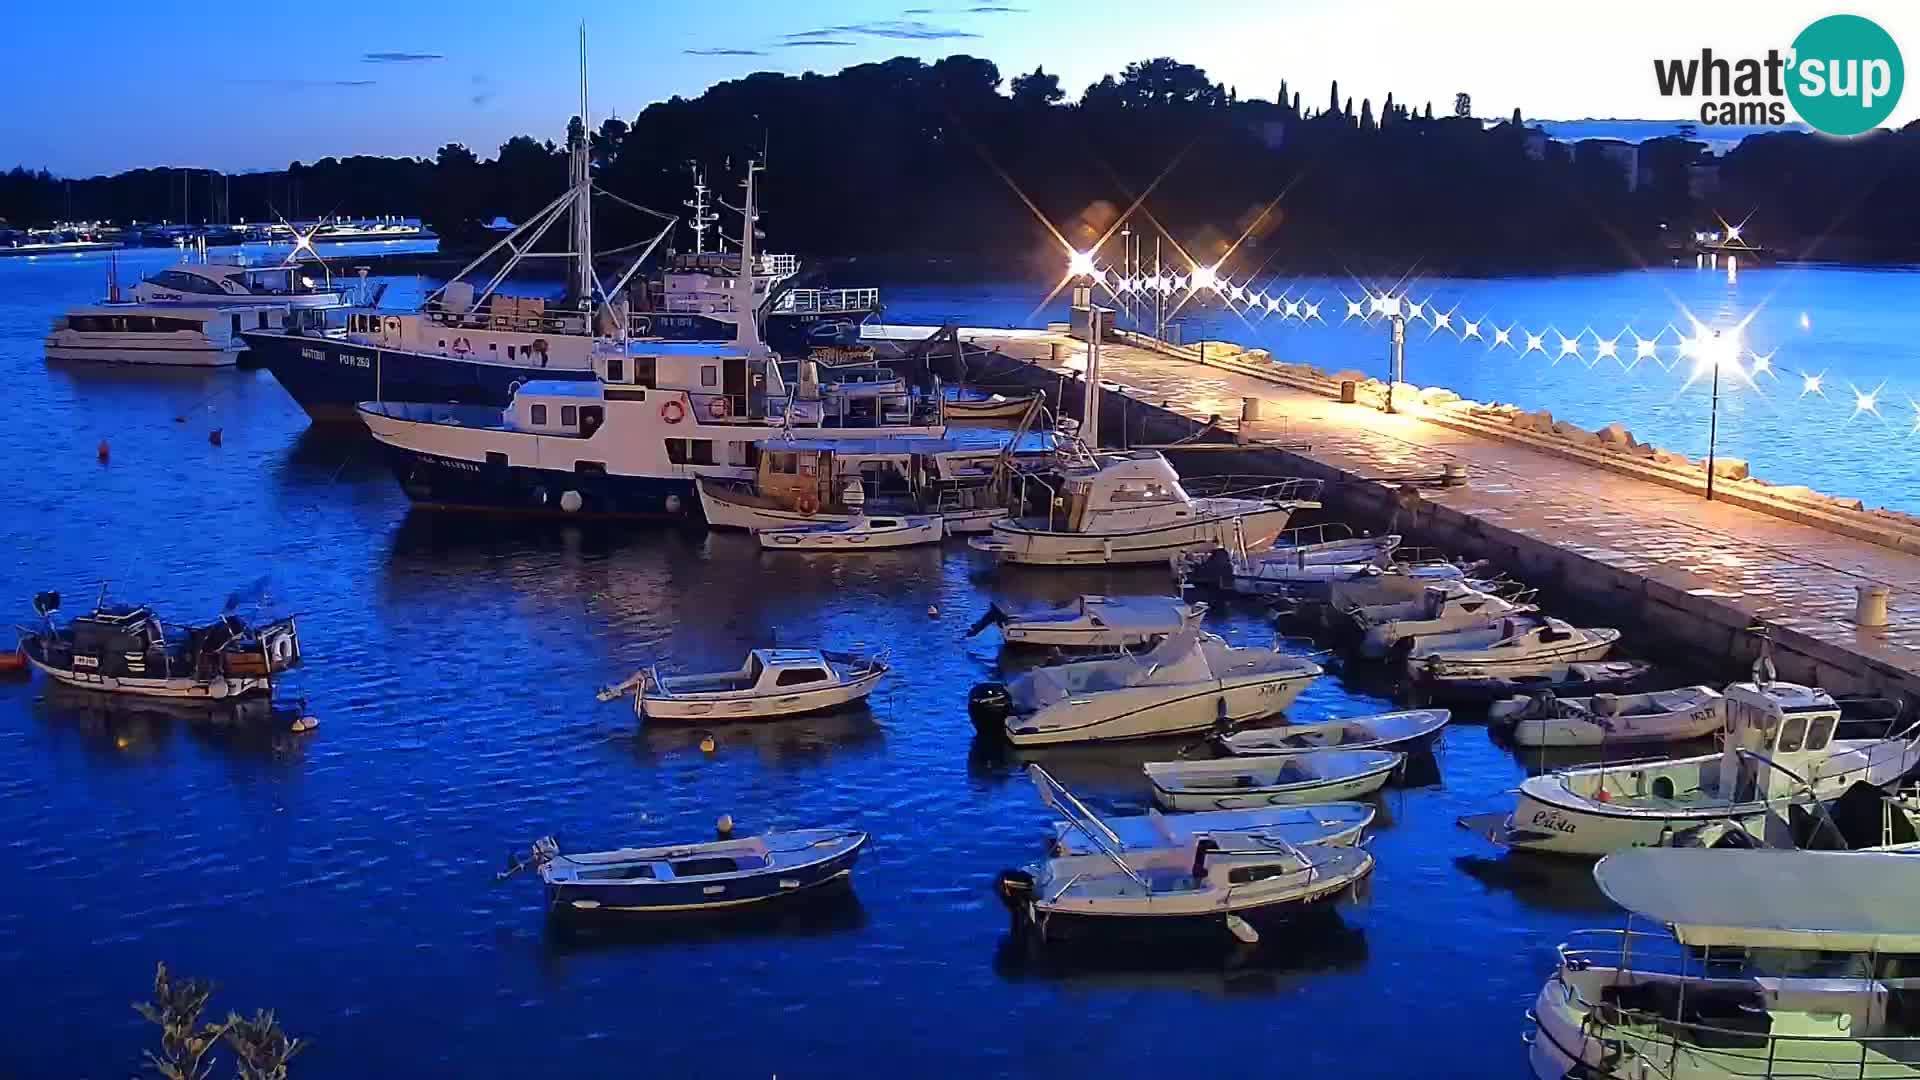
x=931 y=161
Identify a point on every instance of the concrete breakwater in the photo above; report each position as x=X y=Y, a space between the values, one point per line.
x=1602 y=525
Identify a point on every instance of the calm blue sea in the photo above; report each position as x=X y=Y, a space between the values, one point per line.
x=346 y=878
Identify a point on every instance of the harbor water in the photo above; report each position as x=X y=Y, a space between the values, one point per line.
x=346 y=877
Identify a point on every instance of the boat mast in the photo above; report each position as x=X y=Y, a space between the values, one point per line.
x=583 y=194
x=746 y=308
x=703 y=216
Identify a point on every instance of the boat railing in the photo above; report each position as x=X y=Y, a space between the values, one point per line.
x=815 y=301
x=1252 y=486
x=779 y=265
x=687 y=305
x=1326 y=532
x=552 y=323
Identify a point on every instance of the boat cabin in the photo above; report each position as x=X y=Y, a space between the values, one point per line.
x=574 y=408
x=1789 y=724
x=1138 y=483
x=918 y=474
x=220 y=282
x=137 y=324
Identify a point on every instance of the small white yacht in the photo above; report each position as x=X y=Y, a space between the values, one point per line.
x=862 y=533
x=1690 y=712
x=1240 y=783
x=1444 y=608
x=165 y=334
x=1130 y=507
x=1220 y=884
x=1187 y=683
x=1303 y=571
x=204 y=282
x=1516 y=645
x=1092 y=622
x=1739 y=964
x=772 y=683
x=1779 y=750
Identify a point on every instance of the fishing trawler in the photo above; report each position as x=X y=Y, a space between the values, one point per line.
x=129 y=649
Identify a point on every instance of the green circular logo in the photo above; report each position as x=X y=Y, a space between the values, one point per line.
x=1846 y=75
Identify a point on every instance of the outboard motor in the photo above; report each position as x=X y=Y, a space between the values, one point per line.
x=46 y=603
x=1015 y=889
x=988 y=705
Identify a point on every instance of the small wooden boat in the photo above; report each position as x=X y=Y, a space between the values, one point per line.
x=709 y=878
x=1187 y=683
x=858 y=534
x=130 y=650
x=1337 y=824
x=995 y=409
x=1404 y=731
x=1218 y=884
x=1092 y=622
x=1567 y=679
x=772 y=683
x=1692 y=712
x=1238 y=783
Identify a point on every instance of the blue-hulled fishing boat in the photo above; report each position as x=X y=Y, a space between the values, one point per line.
x=718 y=876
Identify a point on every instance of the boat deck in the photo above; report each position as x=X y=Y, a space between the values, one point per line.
x=1722 y=564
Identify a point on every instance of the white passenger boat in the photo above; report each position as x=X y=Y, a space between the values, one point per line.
x=862 y=533
x=1130 y=507
x=771 y=683
x=1691 y=712
x=1092 y=622
x=800 y=480
x=1745 y=964
x=166 y=334
x=1404 y=731
x=1778 y=735
x=1187 y=683
x=1517 y=645
x=1239 y=783
x=1217 y=883
x=1443 y=609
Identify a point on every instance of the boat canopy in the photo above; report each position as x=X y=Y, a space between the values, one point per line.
x=1826 y=901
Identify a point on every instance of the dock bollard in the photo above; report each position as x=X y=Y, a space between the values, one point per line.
x=1453 y=474
x=1870 y=605
x=1249 y=410
x=1349 y=392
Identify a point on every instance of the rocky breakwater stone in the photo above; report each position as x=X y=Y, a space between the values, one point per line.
x=1729 y=468
x=1438 y=395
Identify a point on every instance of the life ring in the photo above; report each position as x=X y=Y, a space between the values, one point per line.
x=807 y=503
x=461 y=347
x=717 y=408
x=673 y=412
x=393 y=325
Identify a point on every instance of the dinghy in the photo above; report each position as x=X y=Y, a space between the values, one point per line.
x=1517 y=645
x=121 y=649
x=1187 y=683
x=771 y=683
x=1692 y=712
x=1403 y=731
x=857 y=534
x=1779 y=750
x=1092 y=622
x=1445 y=608
x=1217 y=884
x=994 y=409
x=709 y=878
x=1567 y=679
x=1239 y=783
x=1323 y=824
x=1404 y=581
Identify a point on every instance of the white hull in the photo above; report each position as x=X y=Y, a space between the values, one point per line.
x=722 y=513
x=1112 y=637
x=209 y=355
x=1146 y=712
x=1589 y=730
x=1332 y=825
x=651 y=704
x=852 y=538
x=1317 y=791
x=1439 y=667
x=1380 y=640
x=1012 y=542
x=219 y=688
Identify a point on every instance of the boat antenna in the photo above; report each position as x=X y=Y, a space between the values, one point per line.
x=583 y=280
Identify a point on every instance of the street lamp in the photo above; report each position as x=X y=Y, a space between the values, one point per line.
x=1721 y=349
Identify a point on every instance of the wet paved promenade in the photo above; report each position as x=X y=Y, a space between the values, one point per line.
x=1791 y=575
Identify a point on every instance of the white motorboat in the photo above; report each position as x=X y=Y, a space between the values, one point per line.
x=1130 y=507
x=1187 y=683
x=1092 y=622
x=1738 y=964
x=1218 y=883
x=1336 y=824
x=1572 y=680
x=859 y=534
x=1292 y=566
x=1516 y=645
x=800 y=481
x=1400 y=582
x=1691 y=712
x=1443 y=609
x=771 y=683
x=1405 y=731
x=1779 y=749
x=1239 y=783
x=169 y=334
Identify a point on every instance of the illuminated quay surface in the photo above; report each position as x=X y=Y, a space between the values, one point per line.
x=1692 y=572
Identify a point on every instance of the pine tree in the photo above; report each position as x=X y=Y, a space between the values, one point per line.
x=1282 y=99
x=1333 y=106
x=1366 y=114
x=1516 y=116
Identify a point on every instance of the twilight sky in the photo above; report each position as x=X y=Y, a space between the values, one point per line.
x=116 y=84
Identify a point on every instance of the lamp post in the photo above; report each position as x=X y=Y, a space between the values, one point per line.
x=1713 y=415
x=1126 y=271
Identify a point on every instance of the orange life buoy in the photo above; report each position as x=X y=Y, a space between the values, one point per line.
x=673 y=412
x=807 y=503
x=717 y=408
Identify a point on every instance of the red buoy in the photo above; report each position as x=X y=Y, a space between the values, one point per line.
x=103 y=452
x=214 y=436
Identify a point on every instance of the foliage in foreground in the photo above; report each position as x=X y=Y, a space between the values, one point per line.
x=261 y=1047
